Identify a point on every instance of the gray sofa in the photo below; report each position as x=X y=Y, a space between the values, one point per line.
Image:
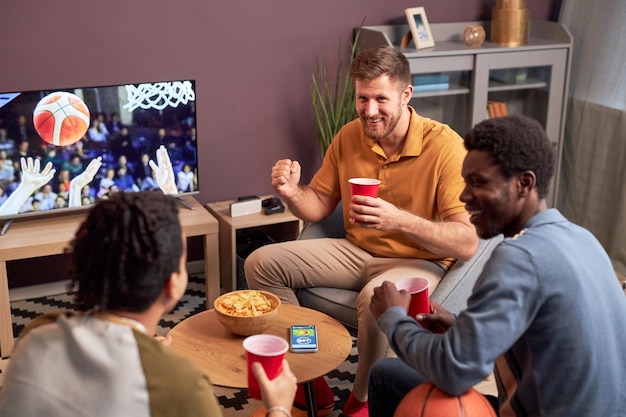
x=452 y=292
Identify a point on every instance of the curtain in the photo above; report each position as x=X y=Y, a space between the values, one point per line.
x=592 y=190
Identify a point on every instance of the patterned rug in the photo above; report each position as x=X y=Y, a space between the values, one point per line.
x=235 y=402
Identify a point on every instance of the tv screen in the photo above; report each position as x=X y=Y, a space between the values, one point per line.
x=67 y=148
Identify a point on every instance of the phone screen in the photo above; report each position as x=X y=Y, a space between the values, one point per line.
x=303 y=338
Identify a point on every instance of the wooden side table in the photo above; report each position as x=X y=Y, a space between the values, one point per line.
x=279 y=226
x=50 y=235
x=221 y=356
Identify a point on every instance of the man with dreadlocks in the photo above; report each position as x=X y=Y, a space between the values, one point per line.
x=128 y=264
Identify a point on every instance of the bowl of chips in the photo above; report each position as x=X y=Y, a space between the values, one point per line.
x=246 y=312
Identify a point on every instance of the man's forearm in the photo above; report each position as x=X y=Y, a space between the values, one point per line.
x=452 y=238
x=307 y=205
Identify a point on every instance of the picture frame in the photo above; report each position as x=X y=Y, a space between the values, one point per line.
x=420 y=30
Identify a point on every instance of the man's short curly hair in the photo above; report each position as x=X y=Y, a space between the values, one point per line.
x=516 y=143
x=125 y=251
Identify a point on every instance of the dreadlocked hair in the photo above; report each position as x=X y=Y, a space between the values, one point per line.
x=124 y=251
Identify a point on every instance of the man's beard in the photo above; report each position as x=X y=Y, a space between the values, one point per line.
x=393 y=122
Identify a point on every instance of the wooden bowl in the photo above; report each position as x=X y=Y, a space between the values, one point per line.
x=246 y=325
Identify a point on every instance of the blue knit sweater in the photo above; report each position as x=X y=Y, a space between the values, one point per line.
x=547 y=312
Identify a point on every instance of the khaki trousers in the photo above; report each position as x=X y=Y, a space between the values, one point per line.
x=337 y=263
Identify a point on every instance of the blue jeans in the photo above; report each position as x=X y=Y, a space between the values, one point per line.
x=390 y=380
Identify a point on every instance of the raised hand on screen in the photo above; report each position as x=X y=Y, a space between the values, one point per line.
x=164 y=171
x=82 y=179
x=31 y=180
x=32 y=177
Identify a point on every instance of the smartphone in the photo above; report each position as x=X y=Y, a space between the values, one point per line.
x=303 y=338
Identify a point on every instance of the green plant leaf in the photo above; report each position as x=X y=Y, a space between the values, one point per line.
x=333 y=99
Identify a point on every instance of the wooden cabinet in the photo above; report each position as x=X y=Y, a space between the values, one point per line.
x=455 y=82
x=279 y=227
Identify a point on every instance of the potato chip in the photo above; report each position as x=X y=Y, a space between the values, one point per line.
x=245 y=304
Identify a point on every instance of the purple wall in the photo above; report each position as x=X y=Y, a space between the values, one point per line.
x=252 y=62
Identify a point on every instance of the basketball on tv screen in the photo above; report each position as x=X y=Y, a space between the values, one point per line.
x=68 y=148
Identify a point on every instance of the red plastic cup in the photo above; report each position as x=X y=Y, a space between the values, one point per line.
x=364 y=186
x=418 y=288
x=269 y=351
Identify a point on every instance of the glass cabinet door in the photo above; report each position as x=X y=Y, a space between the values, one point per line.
x=442 y=88
x=529 y=83
x=444 y=97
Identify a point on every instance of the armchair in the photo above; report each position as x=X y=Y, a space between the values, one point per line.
x=452 y=292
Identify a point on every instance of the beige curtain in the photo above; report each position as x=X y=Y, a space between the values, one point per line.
x=593 y=175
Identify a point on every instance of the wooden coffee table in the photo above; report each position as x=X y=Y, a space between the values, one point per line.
x=220 y=354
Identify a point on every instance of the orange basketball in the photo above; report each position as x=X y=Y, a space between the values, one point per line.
x=426 y=400
x=61 y=118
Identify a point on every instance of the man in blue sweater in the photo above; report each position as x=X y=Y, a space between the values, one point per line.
x=546 y=314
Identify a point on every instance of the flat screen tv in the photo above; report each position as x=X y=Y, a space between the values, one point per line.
x=66 y=148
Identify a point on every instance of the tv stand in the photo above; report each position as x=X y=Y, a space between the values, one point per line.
x=183 y=203
x=6 y=226
x=43 y=236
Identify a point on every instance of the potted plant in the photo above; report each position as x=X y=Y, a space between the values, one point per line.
x=333 y=97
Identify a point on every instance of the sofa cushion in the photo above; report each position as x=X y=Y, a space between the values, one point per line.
x=452 y=292
x=338 y=303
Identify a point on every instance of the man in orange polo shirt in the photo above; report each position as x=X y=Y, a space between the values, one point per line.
x=416 y=227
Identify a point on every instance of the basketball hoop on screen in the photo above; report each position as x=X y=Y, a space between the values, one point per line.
x=159 y=95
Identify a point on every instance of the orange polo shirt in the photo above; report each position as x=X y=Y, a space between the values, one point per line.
x=423 y=178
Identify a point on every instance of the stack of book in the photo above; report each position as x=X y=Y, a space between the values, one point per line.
x=510 y=76
x=496 y=109
x=430 y=82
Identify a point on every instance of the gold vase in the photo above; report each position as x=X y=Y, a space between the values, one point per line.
x=510 y=22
